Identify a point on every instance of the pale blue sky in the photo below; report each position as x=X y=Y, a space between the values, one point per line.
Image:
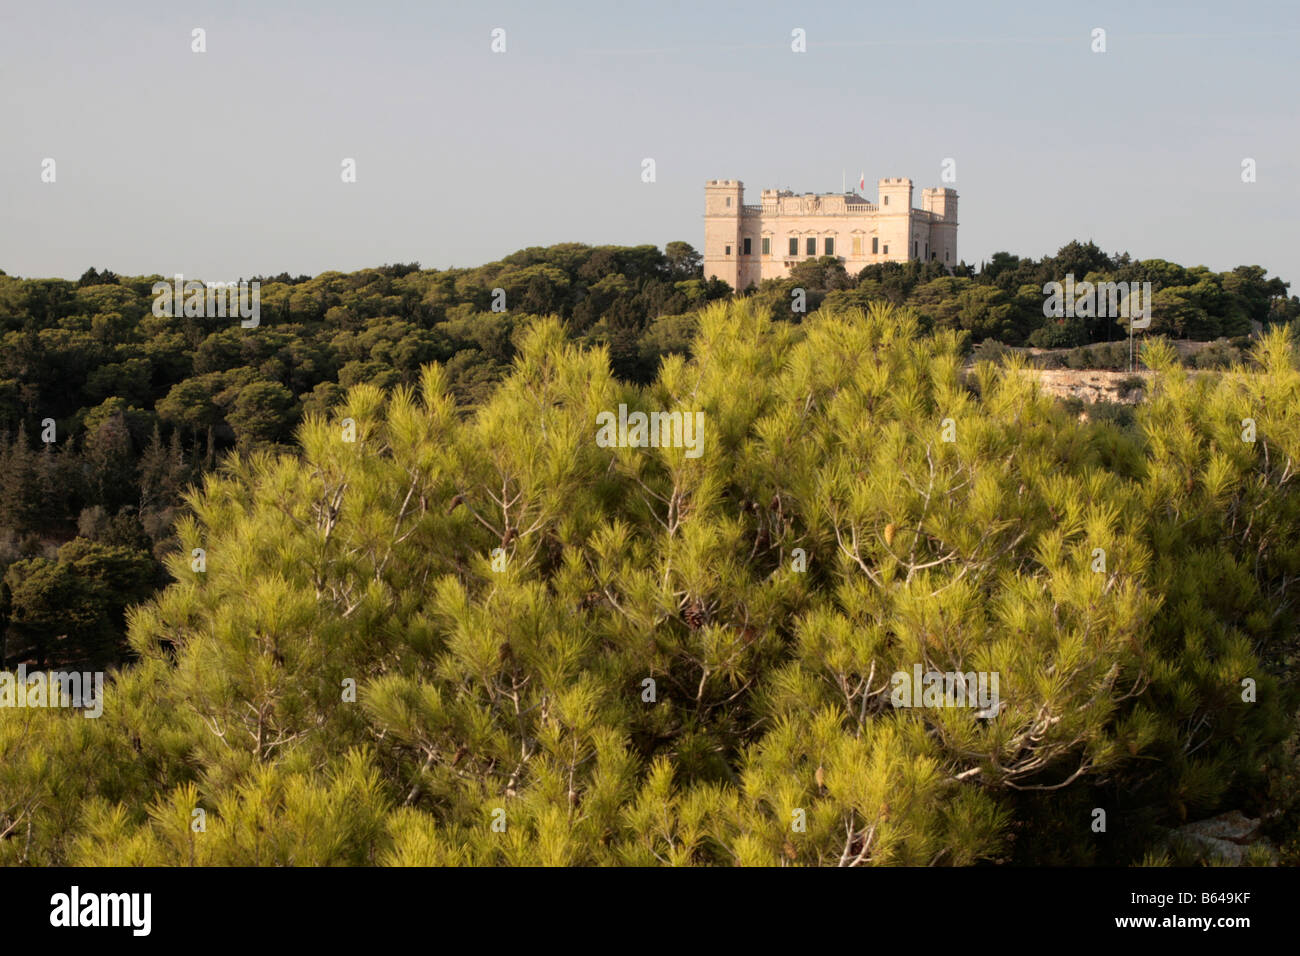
x=227 y=164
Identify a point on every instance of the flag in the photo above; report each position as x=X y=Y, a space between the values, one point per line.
x=862 y=183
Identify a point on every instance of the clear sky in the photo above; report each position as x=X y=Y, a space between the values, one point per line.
x=227 y=163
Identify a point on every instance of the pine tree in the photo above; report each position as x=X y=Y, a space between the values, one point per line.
x=436 y=637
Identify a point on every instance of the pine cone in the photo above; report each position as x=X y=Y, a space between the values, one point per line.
x=695 y=616
x=889 y=535
x=455 y=503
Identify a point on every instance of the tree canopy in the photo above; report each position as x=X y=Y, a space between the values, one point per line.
x=439 y=636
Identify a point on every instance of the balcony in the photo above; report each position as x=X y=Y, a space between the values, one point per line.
x=774 y=209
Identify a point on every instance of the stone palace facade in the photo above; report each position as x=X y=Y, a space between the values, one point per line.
x=746 y=244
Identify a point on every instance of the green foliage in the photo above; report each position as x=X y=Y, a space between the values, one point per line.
x=69 y=611
x=1058 y=333
x=79 y=352
x=990 y=350
x=92 y=356
x=1219 y=354
x=1111 y=356
x=499 y=589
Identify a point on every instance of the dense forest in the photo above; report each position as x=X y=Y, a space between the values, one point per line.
x=430 y=602
x=142 y=406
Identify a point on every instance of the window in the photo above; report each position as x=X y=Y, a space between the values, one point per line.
x=728 y=252
x=830 y=246
x=886 y=200
x=767 y=245
x=945 y=255
x=875 y=245
x=728 y=202
x=886 y=250
x=794 y=246
x=811 y=245
x=857 y=245
x=746 y=252
x=916 y=248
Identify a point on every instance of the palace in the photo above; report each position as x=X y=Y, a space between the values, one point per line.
x=745 y=244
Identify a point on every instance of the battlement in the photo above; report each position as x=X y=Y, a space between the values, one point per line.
x=940 y=202
x=745 y=244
